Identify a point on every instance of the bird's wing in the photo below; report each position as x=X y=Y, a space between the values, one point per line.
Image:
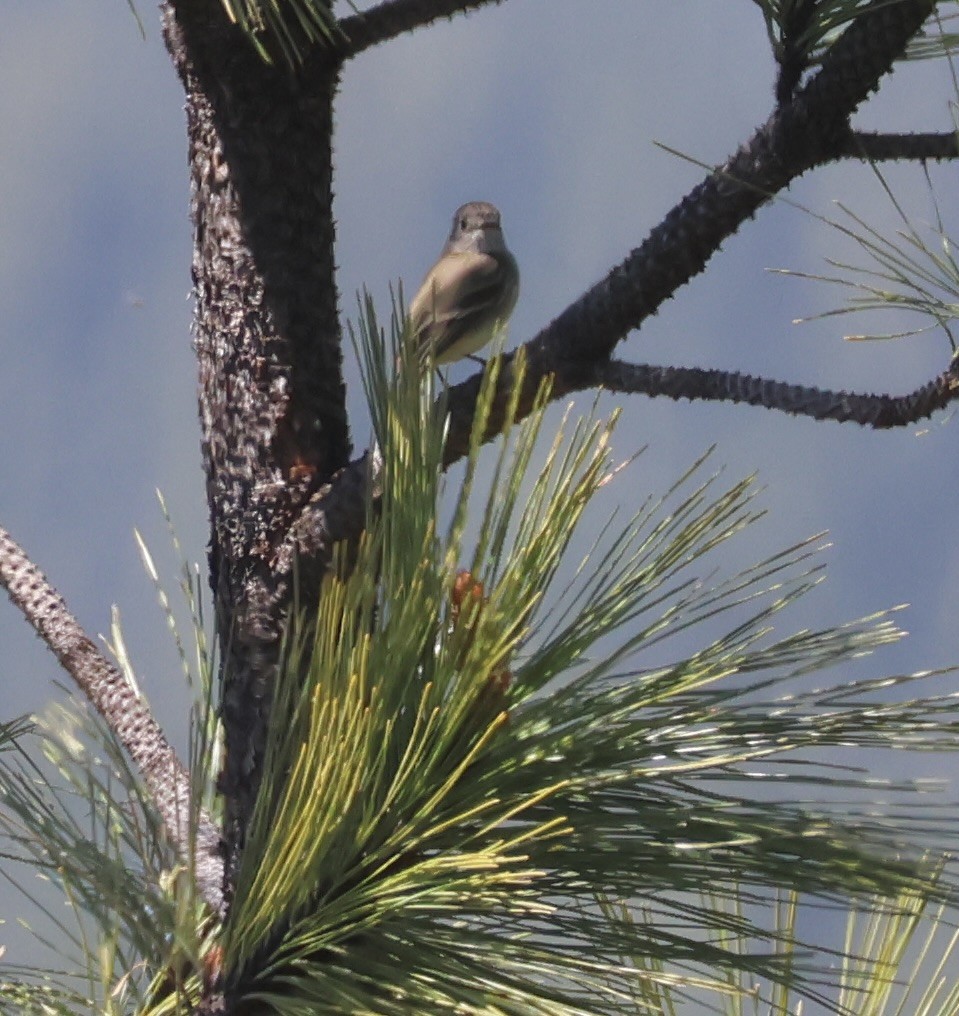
x=458 y=286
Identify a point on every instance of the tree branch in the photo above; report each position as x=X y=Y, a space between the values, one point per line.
x=338 y=512
x=335 y=513
x=877 y=411
x=393 y=17
x=127 y=715
x=809 y=131
x=917 y=147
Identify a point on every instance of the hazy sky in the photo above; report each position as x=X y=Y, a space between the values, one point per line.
x=552 y=115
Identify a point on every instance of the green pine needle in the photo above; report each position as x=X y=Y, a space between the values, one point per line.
x=515 y=791
x=455 y=786
x=829 y=18
x=285 y=27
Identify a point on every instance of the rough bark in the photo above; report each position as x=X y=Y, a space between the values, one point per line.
x=272 y=401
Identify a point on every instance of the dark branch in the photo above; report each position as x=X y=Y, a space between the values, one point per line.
x=566 y=377
x=877 y=411
x=917 y=147
x=339 y=512
x=393 y=17
x=126 y=714
x=792 y=55
x=809 y=131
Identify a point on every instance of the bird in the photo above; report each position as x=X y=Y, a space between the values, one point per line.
x=469 y=294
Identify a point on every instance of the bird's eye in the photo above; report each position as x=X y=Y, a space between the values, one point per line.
x=463 y=222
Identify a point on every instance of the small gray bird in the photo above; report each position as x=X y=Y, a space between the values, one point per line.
x=469 y=294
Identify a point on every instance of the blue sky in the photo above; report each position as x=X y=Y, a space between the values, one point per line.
x=550 y=114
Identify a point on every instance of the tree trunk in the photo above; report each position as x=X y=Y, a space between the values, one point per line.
x=272 y=399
